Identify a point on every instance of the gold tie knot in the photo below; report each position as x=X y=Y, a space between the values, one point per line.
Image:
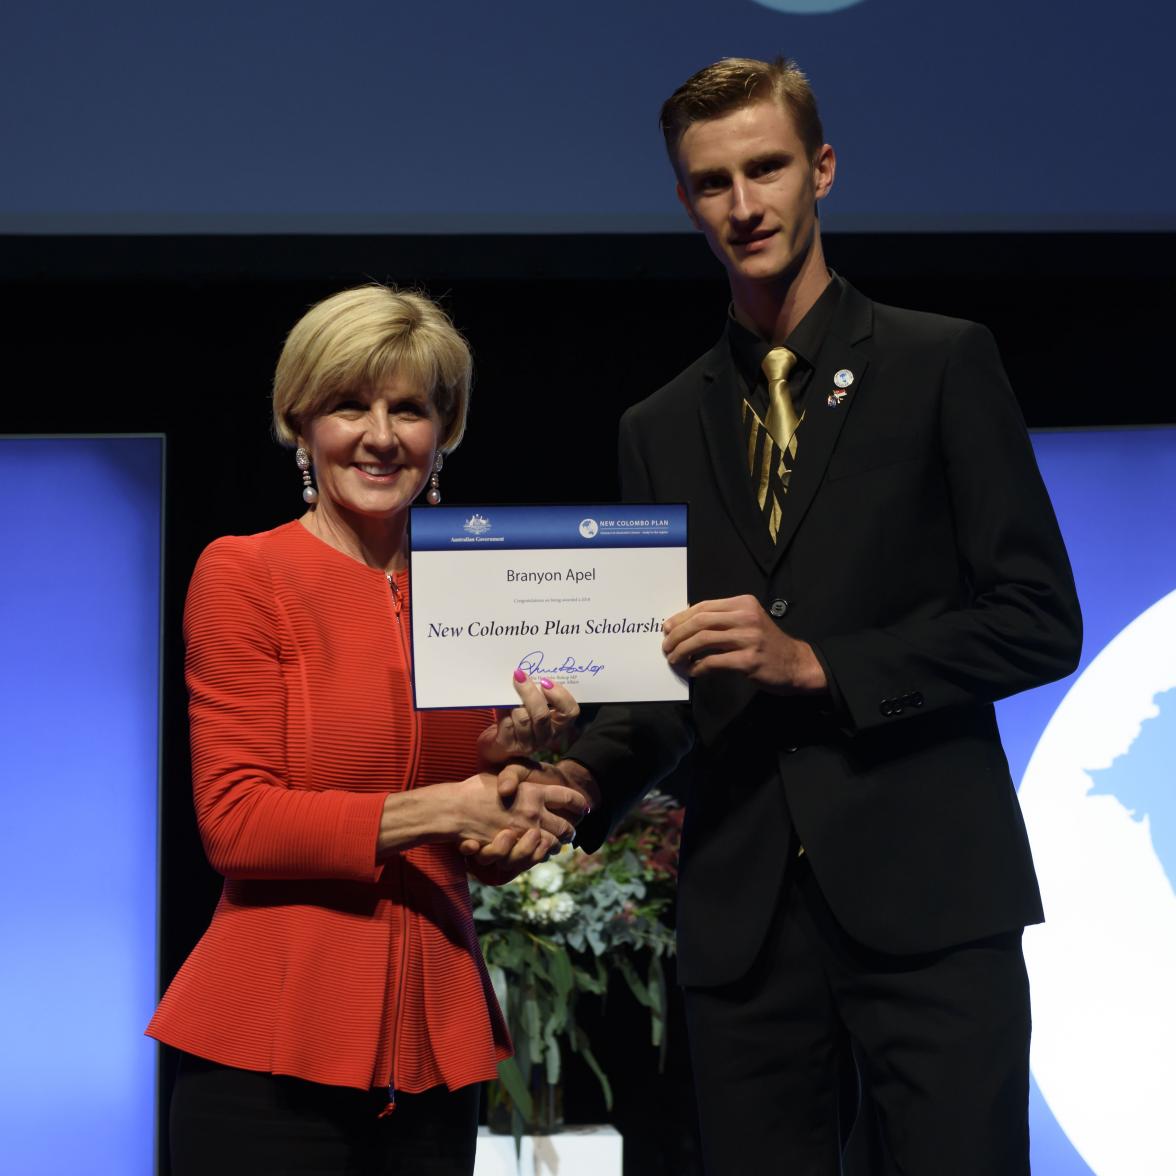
x=781 y=421
x=778 y=364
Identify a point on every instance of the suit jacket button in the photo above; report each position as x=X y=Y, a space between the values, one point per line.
x=778 y=607
x=916 y=699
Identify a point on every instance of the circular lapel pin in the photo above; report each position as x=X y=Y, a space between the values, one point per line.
x=843 y=378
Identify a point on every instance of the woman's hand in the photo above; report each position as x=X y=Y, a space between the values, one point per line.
x=548 y=806
x=507 y=856
x=545 y=712
x=473 y=812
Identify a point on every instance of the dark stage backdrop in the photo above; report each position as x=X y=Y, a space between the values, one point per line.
x=179 y=336
x=531 y=116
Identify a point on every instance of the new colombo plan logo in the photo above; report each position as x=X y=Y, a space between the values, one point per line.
x=588 y=528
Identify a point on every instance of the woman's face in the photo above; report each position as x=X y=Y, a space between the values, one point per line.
x=373 y=451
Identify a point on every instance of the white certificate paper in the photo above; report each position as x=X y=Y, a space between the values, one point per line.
x=576 y=594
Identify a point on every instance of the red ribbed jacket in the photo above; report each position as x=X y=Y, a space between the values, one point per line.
x=318 y=963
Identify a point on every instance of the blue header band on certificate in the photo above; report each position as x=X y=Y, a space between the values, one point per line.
x=449 y=528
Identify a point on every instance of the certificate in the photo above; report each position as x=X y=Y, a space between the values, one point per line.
x=576 y=594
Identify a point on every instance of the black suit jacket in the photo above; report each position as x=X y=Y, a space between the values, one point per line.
x=920 y=556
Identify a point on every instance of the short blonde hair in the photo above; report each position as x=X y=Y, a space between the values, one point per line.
x=734 y=82
x=356 y=340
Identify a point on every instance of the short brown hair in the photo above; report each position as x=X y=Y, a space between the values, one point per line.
x=356 y=340
x=735 y=82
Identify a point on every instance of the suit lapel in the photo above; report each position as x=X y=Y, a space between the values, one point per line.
x=825 y=412
x=726 y=444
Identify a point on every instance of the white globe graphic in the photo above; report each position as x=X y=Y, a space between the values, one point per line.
x=1099 y=797
x=588 y=528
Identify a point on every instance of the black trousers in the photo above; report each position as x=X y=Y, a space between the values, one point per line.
x=229 y=1122
x=941 y=1040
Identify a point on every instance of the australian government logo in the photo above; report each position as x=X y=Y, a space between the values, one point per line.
x=475 y=530
x=1099 y=801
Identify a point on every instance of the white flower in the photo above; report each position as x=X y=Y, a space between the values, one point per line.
x=554 y=908
x=546 y=877
x=563 y=907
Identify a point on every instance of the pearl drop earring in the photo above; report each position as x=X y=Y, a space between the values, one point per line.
x=302 y=461
x=434 y=495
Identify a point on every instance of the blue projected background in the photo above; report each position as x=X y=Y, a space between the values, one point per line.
x=79 y=646
x=1094 y=758
x=535 y=116
x=79 y=720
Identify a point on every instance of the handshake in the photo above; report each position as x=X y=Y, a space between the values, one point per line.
x=527 y=810
x=537 y=807
x=514 y=812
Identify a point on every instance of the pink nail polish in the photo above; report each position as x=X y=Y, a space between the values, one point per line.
x=519 y=676
x=547 y=683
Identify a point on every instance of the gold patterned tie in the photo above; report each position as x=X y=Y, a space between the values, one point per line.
x=771 y=458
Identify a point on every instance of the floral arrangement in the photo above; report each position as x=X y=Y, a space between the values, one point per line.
x=557 y=931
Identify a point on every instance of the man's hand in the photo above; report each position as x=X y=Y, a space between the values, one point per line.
x=544 y=713
x=736 y=634
x=560 y=779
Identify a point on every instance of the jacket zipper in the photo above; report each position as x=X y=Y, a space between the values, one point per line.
x=414 y=760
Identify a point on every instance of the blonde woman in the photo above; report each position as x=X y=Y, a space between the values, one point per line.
x=336 y=1016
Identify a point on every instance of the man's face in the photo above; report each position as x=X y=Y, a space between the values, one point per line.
x=747 y=182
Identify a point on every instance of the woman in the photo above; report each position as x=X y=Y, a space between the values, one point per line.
x=340 y=976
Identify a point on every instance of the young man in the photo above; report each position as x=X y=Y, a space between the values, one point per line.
x=873 y=561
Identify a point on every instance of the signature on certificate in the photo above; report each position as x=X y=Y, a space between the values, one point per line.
x=532 y=664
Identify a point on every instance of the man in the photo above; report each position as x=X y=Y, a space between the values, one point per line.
x=874 y=561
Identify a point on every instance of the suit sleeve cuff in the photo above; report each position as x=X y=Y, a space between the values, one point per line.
x=835 y=705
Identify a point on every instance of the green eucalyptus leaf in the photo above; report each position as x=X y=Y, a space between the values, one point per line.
x=499 y=984
x=584 y=1049
x=636 y=985
x=512 y=1080
x=657 y=1006
x=552 y=1061
x=587 y=982
x=657 y=1013
x=531 y=1020
x=561 y=972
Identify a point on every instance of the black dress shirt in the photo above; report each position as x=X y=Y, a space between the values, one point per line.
x=805 y=341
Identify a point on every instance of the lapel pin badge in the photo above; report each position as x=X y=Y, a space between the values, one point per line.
x=842 y=379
